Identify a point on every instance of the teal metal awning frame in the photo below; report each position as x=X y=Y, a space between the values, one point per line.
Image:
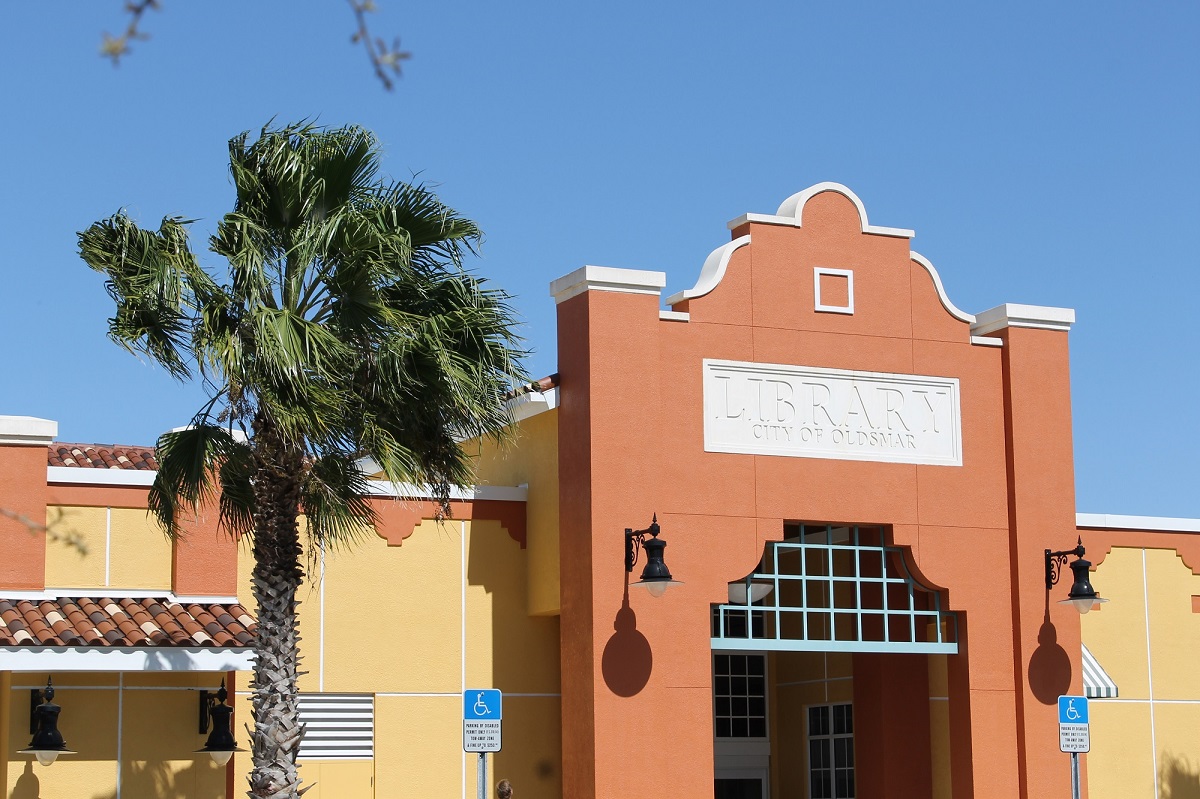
x=835 y=589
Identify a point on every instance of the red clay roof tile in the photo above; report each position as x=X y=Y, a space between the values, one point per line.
x=87 y=621
x=101 y=456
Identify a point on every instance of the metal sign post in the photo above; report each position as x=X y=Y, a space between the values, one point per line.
x=1074 y=735
x=482 y=718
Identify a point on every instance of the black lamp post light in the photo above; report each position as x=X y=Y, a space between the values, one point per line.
x=1082 y=595
x=220 y=744
x=47 y=743
x=656 y=577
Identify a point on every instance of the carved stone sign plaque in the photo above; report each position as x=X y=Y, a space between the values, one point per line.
x=811 y=412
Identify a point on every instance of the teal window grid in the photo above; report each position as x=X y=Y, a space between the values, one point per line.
x=835 y=589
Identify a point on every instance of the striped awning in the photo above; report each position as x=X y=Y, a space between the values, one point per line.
x=1096 y=682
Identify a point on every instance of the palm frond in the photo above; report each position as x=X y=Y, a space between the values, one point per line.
x=334 y=499
x=188 y=463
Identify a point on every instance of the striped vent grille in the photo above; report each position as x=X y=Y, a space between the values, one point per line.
x=339 y=726
x=1096 y=682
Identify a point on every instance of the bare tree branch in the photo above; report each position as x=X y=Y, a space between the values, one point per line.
x=385 y=59
x=116 y=46
x=73 y=540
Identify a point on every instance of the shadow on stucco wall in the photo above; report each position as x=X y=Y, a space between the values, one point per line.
x=1049 y=666
x=28 y=786
x=628 y=659
x=1178 y=778
x=164 y=780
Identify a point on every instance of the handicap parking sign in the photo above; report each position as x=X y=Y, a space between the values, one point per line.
x=1074 y=734
x=1072 y=710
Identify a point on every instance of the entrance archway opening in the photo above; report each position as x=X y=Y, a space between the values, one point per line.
x=829 y=648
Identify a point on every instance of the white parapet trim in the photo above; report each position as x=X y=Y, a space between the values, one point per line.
x=83 y=475
x=29 y=431
x=1040 y=317
x=532 y=403
x=380 y=488
x=1109 y=521
x=987 y=341
x=791 y=211
x=121 y=593
x=385 y=488
x=607 y=278
x=924 y=263
x=128 y=658
x=712 y=271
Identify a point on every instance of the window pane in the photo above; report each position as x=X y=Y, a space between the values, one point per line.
x=758 y=728
x=818 y=721
x=842 y=720
x=818 y=757
x=723 y=728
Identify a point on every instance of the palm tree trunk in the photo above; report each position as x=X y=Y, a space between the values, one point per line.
x=277 y=576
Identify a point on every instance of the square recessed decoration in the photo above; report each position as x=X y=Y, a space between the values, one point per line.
x=834 y=290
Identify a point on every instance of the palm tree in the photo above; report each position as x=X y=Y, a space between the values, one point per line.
x=345 y=328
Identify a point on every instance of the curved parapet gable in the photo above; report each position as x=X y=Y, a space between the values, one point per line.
x=712 y=271
x=791 y=211
x=950 y=307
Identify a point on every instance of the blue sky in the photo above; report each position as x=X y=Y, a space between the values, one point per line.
x=1045 y=153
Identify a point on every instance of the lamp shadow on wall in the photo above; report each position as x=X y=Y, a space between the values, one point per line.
x=1178 y=778
x=1050 y=666
x=627 y=660
x=28 y=786
x=201 y=778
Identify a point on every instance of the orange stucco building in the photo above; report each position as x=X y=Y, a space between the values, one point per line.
x=857 y=482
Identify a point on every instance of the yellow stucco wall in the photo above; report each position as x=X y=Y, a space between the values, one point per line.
x=415 y=625
x=1146 y=739
x=136 y=553
x=155 y=729
x=532 y=459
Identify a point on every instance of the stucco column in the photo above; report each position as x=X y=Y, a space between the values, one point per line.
x=1041 y=494
x=631 y=726
x=23 y=442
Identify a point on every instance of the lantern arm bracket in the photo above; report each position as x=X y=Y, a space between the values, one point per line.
x=1056 y=560
x=634 y=539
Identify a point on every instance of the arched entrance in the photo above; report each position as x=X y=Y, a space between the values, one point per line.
x=816 y=655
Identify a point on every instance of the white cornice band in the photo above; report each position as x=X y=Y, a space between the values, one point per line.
x=131 y=658
x=791 y=212
x=607 y=278
x=84 y=475
x=712 y=272
x=1039 y=317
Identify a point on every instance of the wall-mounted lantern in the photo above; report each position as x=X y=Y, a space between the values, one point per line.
x=47 y=743
x=1082 y=595
x=220 y=744
x=747 y=590
x=655 y=576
